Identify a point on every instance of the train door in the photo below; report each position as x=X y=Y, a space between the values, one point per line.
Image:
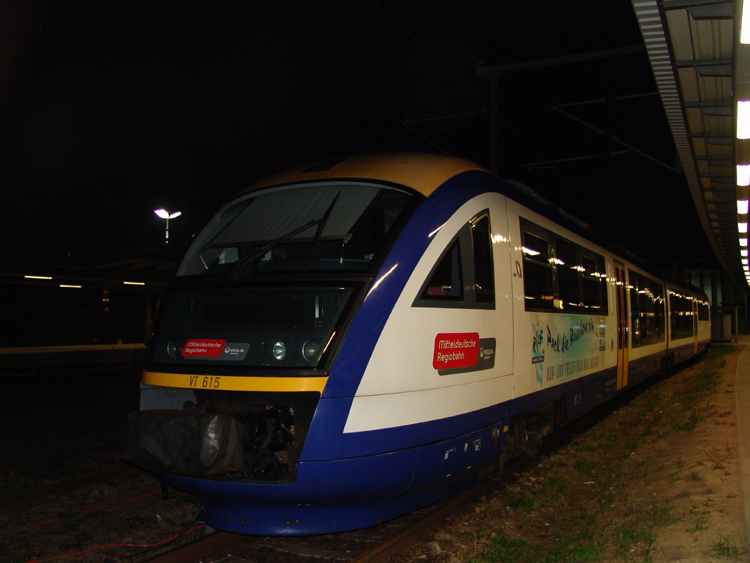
x=622 y=326
x=695 y=326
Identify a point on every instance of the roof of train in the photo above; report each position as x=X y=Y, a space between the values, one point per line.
x=420 y=171
x=424 y=173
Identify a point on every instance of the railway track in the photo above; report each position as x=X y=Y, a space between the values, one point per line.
x=371 y=545
x=33 y=464
x=60 y=474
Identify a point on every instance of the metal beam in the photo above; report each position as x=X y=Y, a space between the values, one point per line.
x=495 y=73
x=710 y=67
x=615 y=139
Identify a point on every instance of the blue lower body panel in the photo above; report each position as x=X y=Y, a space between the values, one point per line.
x=326 y=496
x=643 y=368
x=340 y=495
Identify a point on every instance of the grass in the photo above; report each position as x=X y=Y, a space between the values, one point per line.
x=661 y=515
x=569 y=548
x=24 y=555
x=726 y=548
x=585 y=466
x=522 y=503
x=629 y=538
x=689 y=424
x=596 y=482
x=505 y=549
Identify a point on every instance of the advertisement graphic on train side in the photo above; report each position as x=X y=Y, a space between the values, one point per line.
x=566 y=346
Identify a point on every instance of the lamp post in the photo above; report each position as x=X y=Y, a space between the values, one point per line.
x=164 y=214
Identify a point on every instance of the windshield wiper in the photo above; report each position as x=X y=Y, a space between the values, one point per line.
x=321 y=225
x=245 y=262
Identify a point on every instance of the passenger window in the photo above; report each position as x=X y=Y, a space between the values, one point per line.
x=447 y=280
x=703 y=311
x=560 y=275
x=567 y=268
x=646 y=310
x=464 y=277
x=681 y=307
x=590 y=284
x=537 y=278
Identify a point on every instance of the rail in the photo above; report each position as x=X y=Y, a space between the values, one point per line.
x=46 y=359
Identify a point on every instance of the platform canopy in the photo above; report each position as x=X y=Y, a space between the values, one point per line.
x=702 y=71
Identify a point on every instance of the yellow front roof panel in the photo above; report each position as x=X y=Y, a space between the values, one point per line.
x=421 y=172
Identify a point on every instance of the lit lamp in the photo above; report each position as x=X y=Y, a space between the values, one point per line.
x=164 y=214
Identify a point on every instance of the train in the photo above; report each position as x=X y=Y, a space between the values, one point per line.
x=358 y=338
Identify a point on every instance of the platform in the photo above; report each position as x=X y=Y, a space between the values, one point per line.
x=742 y=398
x=45 y=359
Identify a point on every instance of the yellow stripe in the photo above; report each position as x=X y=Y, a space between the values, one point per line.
x=233 y=383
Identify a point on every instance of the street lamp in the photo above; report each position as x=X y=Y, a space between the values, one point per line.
x=164 y=214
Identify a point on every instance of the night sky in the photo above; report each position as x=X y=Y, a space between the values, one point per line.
x=110 y=110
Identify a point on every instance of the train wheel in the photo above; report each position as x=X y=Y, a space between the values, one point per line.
x=528 y=434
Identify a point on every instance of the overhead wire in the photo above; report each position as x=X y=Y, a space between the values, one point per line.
x=493 y=114
x=511 y=46
x=223 y=108
x=430 y=53
x=134 y=72
x=555 y=105
x=329 y=74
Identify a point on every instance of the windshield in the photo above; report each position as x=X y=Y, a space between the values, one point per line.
x=308 y=227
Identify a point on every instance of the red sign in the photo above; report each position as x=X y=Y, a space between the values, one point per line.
x=203 y=348
x=458 y=350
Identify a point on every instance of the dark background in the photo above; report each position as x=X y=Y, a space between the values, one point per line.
x=109 y=110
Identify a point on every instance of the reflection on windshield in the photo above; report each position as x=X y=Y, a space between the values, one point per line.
x=328 y=227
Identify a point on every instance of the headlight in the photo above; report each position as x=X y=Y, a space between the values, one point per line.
x=279 y=351
x=173 y=349
x=311 y=351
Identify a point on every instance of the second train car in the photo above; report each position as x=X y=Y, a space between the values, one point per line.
x=355 y=339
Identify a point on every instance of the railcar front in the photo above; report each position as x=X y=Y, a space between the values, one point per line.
x=286 y=383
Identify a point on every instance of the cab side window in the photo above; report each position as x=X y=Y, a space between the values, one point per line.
x=464 y=276
x=446 y=281
x=484 y=274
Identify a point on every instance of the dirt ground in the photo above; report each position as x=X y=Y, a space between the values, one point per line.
x=656 y=481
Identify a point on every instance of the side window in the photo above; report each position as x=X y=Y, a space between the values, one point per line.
x=681 y=307
x=446 y=281
x=703 y=311
x=560 y=275
x=594 y=284
x=537 y=270
x=646 y=310
x=464 y=276
x=567 y=272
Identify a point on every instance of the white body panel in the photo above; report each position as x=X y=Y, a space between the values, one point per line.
x=400 y=385
x=592 y=352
